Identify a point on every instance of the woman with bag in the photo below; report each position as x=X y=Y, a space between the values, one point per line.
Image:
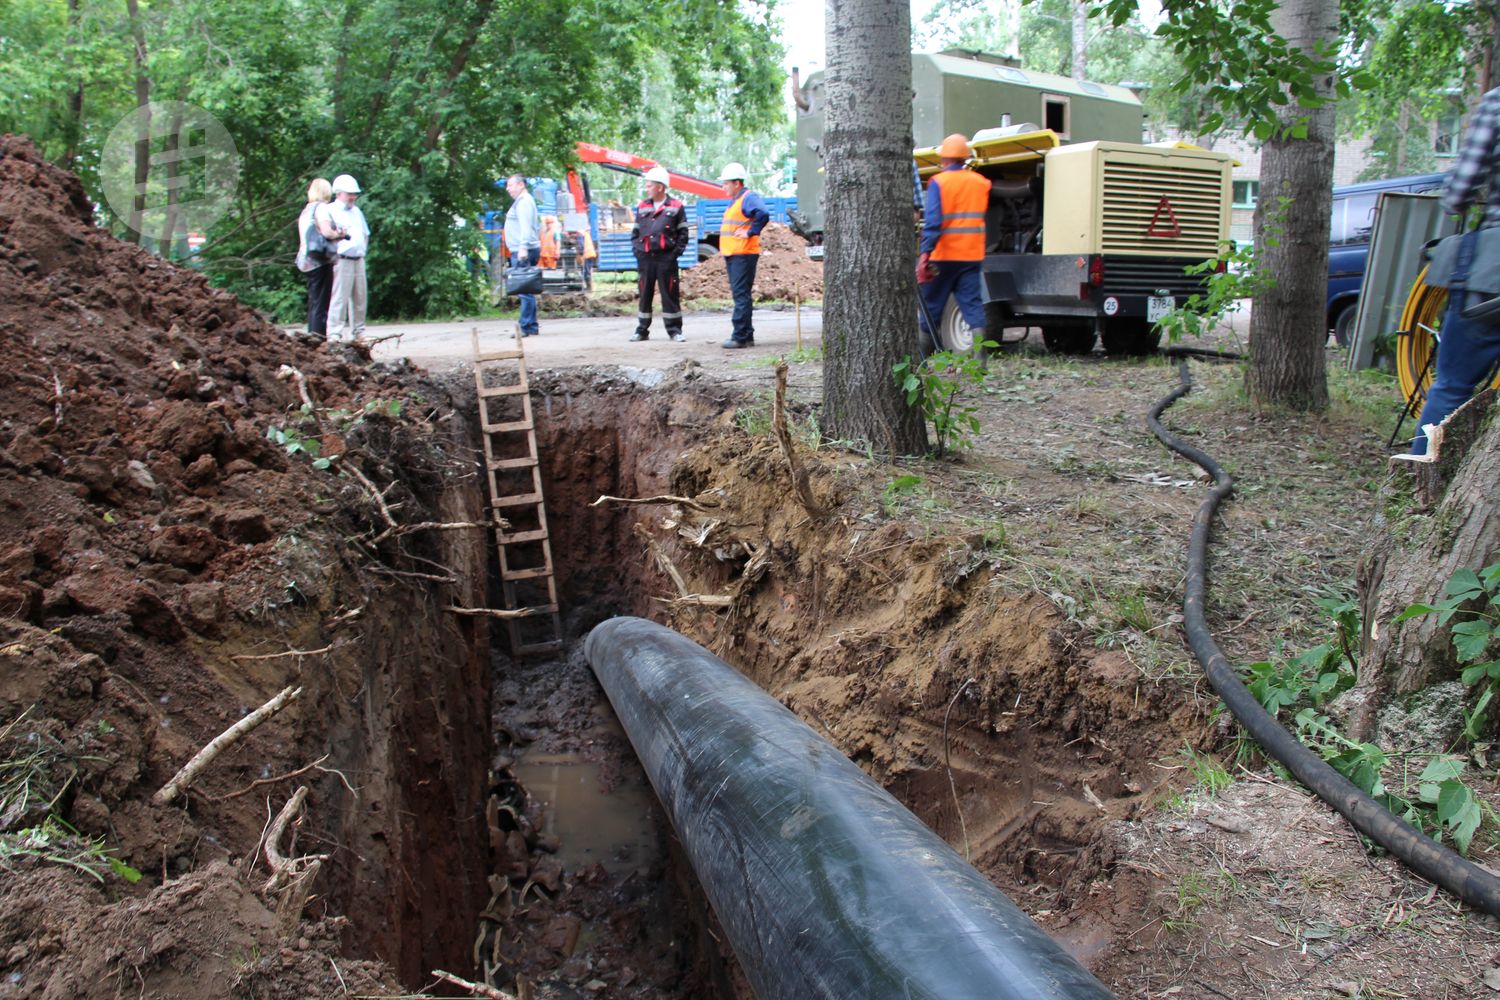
x=316 y=238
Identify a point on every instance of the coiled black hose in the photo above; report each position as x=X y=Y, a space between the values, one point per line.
x=1417 y=851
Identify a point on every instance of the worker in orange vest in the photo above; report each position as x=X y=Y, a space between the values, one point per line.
x=739 y=242
x=952 y=248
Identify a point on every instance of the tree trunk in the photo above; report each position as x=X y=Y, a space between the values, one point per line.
x=174 y=172
x=136 y=222
x=72 y=125
x=456 y=67
x=869 y=298
x=1080 y=39
x=1288 y=328
x=1012 y=15
x=1464 y=532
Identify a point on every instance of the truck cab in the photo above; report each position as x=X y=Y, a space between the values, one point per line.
x=1353 y=221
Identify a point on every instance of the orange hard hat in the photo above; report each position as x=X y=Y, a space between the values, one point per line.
x=955 y=147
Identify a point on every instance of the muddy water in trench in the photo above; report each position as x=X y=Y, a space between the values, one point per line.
x=590 y=896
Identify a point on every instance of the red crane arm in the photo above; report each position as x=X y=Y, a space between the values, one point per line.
x=629 y=163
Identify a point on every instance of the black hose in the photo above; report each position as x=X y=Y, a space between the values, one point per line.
x=1202 y=352
x=1419 y=852
x=825 y=885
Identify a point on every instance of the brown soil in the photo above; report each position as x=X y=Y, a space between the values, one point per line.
x=784 y=272
x=996 y=643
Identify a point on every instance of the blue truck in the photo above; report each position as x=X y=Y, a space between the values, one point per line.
x=1349 y=243
x=704 y=217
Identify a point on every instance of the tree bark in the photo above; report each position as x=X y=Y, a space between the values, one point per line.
x=1463 y=532
x=73 y=124
x=1080 y=39
x=869 y=298
x=136 y=222
x=174 y=172
x=1288 y=329
x=456 y=67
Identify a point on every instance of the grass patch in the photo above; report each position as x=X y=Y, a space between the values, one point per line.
x=35 y=771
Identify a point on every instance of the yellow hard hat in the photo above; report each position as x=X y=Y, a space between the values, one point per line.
x=955 y=147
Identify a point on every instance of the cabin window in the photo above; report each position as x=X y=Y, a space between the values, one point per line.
x=1055 y=113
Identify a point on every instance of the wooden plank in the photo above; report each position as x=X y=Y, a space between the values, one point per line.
x=520 y=537
x=504 y=390
x=499 y=464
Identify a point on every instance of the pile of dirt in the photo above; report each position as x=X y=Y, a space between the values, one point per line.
x=160 y=557
x=785 y=272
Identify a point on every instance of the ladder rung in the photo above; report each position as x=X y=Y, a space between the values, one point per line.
x=516 y=501
x=535 y=535
x=527 y=574
x=512 y=463
x=498 y=356
x=519 y=425
x=504 y=390
x=539 y=609
x=550 y=646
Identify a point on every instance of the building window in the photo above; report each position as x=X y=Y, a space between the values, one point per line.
x=1246 y=194
x=1055 y=114
x=1449 y=128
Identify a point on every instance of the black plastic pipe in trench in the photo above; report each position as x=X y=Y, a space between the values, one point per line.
x=825 y=885
x=1419 y=852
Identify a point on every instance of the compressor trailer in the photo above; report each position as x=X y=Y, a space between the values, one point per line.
x=1090 y=239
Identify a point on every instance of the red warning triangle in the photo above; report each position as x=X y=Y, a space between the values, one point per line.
x=1174 y=230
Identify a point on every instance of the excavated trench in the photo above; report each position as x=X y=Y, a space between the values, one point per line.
x=975 y=708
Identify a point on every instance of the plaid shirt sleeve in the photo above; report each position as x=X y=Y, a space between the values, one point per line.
x=1478 y=159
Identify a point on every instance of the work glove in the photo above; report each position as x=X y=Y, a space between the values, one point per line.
x=926 y=270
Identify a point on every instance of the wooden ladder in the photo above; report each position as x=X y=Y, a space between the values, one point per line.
x=516 y=503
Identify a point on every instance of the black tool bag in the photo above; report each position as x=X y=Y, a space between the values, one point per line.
x=1468 y=264
x=525 y=279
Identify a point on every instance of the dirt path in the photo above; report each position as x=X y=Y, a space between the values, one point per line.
x=606 y=340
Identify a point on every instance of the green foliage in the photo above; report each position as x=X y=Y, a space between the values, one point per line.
x=1411 y=63
x=935 y=384
x=55 y=842
x=427 y=103
x=1247 y=72
x=1235 y=275
x=1315 y=675
x=31 y=785
x=1207 y=772
x=896 y=490
x=295 y=441
x=1443 y=803
x=1474 y=636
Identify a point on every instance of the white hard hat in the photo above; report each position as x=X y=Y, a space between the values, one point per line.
x=732 y=172
x=659 y=175
x=344 y=184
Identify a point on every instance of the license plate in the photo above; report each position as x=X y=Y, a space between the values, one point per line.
x=1158 y=306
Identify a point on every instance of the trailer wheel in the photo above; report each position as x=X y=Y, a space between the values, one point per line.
x=1130 y=337
x=707 y=251
x=1068 y=337
x=954 y=333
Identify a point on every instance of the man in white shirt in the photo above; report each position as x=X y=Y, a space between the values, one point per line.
x=346 y=307
x=523 y=240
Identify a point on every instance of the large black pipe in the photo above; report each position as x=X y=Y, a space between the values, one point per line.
x=825 y=885
x=1417 y=851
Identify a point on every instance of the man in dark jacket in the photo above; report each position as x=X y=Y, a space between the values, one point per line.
x=659 y=235
x=1470 y=347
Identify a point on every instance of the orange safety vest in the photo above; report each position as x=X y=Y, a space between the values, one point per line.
x=734 y=231
x=963 y=195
